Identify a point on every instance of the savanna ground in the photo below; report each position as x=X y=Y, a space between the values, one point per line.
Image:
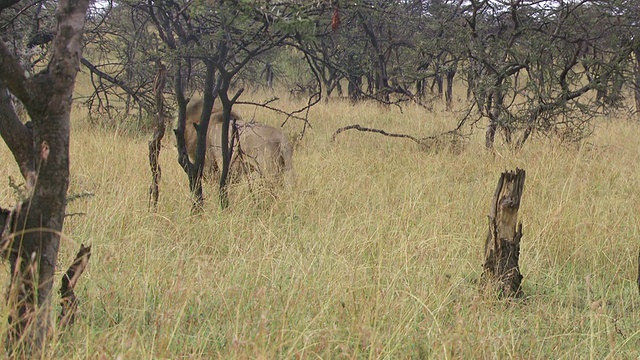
x=376 y=252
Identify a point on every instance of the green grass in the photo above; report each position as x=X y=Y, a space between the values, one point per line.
x=375 y=253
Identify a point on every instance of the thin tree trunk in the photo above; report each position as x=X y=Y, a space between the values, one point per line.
x=227 y=145
x=202 y=129
x=494 y=106
x=194 y=170
x=451 y=73
x=636 y=73
x=354 y=88
x=437 y=80
x=158 y=134
x=490 y=134
x=470 y=85
x=502 y=247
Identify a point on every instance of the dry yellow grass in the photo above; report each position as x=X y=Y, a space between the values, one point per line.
x=374 y=254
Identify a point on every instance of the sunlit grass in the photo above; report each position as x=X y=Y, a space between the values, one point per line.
x=375 y=253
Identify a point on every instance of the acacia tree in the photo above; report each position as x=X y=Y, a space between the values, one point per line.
x=389 y=27
x=222 y=42
x=31 y=232
x=533 y=63
x=374 y=40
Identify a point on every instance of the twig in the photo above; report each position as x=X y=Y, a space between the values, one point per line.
x=74 y=214
x=81 y=195
x=279 y=111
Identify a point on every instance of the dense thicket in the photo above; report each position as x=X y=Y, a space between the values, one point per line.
x=529 y=66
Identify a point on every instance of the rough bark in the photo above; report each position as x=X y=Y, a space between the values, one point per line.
x=502 y=247
x=158 y=133
x=34 y=235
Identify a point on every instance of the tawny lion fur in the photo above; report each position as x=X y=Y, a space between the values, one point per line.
x=258 y=148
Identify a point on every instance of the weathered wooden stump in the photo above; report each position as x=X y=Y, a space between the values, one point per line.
x=502 y=247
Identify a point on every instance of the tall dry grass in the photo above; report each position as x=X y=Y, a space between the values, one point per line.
x=375 y=253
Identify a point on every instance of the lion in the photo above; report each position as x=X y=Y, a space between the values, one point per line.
x=258 y=149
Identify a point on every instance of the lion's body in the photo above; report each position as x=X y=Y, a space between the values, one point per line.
x=257 y=148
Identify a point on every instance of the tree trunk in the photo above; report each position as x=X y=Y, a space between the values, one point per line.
x=370 y=84
x=494 y=110
x=183 y=158
x=437 y=80
x=225 y=140
x=420 y=86
x=158 y=133
x=502 y=247
x=382 y=78
x=636 y=73
x=202 y=129
x=490 y=134
x=36 y=223
x=451 y=72
x=194 y=170
x=470 y=85
x=354 y=88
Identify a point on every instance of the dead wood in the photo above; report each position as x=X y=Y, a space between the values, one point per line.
x=502 y=246
x=69 y=301
x=362 y=128
x=452 y=138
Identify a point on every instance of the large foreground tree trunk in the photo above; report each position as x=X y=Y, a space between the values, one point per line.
x=42 y=152
x=502 y=247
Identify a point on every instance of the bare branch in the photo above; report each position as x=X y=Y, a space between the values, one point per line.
x=361 y=128
x=17 y=136
x=15 y=78
x=69 y=301
x=139 y=98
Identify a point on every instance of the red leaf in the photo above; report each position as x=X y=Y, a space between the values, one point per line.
x=335 y=20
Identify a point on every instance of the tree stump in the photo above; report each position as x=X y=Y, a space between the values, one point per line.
x=502 y=247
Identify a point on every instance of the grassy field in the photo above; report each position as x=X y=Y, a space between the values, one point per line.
x=375 y=252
